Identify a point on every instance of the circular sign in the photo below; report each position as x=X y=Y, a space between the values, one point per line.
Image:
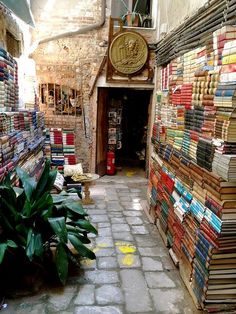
x=128 y=53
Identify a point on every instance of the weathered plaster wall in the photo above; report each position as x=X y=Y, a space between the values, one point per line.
x=173 y=13
x=71 y=61
x=74 y=61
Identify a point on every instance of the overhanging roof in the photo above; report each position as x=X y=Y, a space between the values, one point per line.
x=21 y=9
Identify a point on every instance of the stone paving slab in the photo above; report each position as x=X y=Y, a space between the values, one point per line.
x=133 y=272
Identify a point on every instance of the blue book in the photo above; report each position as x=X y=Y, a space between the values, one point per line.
x=203 y=250
x=225 y=92
x=206 y=243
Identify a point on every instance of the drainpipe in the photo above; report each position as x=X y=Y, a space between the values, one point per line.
x=78 y=31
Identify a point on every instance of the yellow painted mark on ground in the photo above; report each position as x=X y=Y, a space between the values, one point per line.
x=126 y=248
x=130 y=173
x=128 y=260
x=99 y=247
x=102 y=245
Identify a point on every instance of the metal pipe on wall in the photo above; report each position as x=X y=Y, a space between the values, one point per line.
x=81 y=30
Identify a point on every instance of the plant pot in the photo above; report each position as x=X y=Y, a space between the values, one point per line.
x=132 y=19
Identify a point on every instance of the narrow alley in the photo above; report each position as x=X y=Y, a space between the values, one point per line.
x=133 y=272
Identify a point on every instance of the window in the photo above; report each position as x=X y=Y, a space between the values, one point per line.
x=133 y=12
x=13 y=45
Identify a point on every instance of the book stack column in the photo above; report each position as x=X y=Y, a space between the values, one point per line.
x=69 y=146
x=192 y=182
x=60 y=147
x=57 y=155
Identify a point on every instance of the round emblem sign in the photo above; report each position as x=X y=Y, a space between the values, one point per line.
x=128 y=53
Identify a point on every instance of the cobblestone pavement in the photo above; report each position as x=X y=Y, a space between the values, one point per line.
x=133 y=272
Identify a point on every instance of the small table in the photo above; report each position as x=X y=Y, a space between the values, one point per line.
x=87 y=200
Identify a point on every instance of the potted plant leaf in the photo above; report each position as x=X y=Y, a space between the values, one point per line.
x=132 y=18
x=37 y=228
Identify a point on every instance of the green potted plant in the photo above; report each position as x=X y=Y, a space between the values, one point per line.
x=133 y=18
x=38 y=229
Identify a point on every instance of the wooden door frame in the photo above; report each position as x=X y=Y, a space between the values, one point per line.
x=101 y=165
x=149 y=108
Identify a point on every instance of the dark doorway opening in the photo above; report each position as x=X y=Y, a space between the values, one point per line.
x=134 y=121
x=123 y=117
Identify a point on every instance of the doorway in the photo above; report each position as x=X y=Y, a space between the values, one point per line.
x=122 y=122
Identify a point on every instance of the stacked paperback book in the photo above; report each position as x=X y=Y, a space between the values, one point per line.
x=22 y=140
x=193 y=168
x=8 y=82
x=60 y=147
x=69 y=146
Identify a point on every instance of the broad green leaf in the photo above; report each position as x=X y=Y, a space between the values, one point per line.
x=11 y=243
x=42 y=183
x=76 y=207
x=63 y=193
x=5 y=221
x=62 y=263
x=30 y=248
x=34 y=245
x=18 y=191
x=86 y=225
x=7 y=180
x=11 y=208
x=59 y=227
x=46 y=213
x=20 y=202
x=4 y=187
x=22 y=229
x=44 y=202
x=73 y=190
x=82 y=238
x=8 y=194
x=3 y=247
x=74 y=259
x=60 y=207
x=51 y=180
x=57 y=199
x=38 y=244
x=80 y=248
x=28 y=182
x=27 y=209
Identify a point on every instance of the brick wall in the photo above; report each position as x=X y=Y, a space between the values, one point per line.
x=73 y=61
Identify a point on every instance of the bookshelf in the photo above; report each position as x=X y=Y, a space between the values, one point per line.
x=21 y=131
x=192 y=181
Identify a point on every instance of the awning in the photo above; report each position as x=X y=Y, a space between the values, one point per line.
x=21 y=9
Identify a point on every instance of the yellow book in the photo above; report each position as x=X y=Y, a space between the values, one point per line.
x=229 y=59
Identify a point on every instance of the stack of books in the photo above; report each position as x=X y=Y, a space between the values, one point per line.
x=165 y=74
x=178 y=139
x=220 y=197
x=8 y=82
x=225 y=124
x=69 y=146
x=198 y=191
x=205 y=153
x=191 y=225
x=198 y=118
x=208 y=103
x=186 y=95
x=190 y=66
x=186 y=143
x=214 y=265
x=57 y=155
x=220 y=38
x=194 y=136
x=200 y=85
x=224 y=165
